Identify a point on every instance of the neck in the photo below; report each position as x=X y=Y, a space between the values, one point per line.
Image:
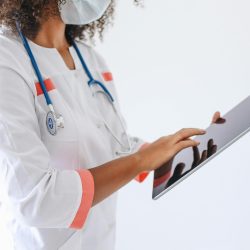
x=52 y=34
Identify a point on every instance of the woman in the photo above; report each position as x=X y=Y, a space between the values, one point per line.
x=64 y=151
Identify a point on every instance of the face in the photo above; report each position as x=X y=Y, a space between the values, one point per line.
x=77 y=12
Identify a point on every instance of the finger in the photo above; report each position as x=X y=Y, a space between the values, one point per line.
x=203 y=156
x=187 y=132
x=196 y=155
x=214 y=150
x=216 y=116
x=210 y=143
x=185 y=144
x=209 y=147
x=165 y=168
x=178 y=170
x=220 y=120
x=177 y=174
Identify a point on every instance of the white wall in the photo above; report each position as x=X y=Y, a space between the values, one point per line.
x=175 y=64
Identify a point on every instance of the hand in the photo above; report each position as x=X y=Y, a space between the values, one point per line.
x=165 y=148
x=165 y=169
x=198 y=159
x=211 y=149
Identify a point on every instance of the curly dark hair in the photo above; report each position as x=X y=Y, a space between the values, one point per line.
x=31 y=13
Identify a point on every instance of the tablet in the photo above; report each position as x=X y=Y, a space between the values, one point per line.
x=219 y=136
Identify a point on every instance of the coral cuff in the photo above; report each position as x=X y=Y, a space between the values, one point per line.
x=87 y=198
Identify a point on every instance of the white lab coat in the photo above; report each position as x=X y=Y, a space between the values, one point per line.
x=42 y=189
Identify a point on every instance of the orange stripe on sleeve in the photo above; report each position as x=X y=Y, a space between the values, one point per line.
x=142 y=176
x=107 y=76
x=87 y=198
x=48 y=84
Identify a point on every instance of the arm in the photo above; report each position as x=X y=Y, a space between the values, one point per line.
x=113 y=175
x=35 y=191
x=143 y=175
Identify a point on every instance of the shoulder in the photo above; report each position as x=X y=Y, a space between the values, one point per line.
x=14 y=57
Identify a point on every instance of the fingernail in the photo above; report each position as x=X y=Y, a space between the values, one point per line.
x=203 y=131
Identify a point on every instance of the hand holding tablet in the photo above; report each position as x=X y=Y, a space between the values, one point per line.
x=222 y=132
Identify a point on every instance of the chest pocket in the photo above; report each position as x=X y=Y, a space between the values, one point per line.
x=63 y=146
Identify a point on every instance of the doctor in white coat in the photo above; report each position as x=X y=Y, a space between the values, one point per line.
x=64 y=147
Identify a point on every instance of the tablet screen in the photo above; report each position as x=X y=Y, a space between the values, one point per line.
x=219 y=136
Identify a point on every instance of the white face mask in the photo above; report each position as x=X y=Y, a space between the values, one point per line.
x=81 y=12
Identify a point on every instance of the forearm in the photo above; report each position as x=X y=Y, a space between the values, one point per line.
x=111 y=176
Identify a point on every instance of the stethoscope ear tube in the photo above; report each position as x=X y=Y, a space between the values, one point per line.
x=34 y=64
x=91 y=81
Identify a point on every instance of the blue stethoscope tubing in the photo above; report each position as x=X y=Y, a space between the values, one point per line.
x=91 y=81
x=53 y=117
x=35 y=66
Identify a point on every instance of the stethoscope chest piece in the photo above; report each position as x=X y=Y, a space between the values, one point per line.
x=54 y=122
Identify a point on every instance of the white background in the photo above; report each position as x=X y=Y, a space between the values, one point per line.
x=175 y=63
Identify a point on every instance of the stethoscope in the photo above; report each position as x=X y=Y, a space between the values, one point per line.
x=55 y=121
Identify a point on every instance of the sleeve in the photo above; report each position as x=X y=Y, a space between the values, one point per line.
x=138 y=144
x=142 y=176
x=35 y=191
